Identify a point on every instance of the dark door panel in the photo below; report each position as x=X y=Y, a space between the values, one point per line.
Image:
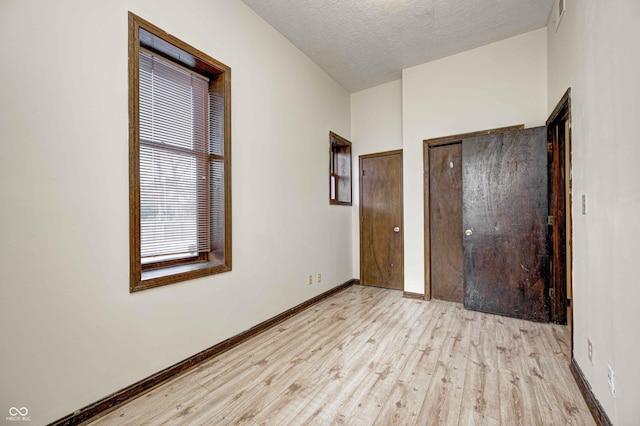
x=445 y=189
x=505 y=223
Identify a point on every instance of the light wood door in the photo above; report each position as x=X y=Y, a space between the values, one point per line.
x=505 y=223
x=445 y=189
x=381 y=231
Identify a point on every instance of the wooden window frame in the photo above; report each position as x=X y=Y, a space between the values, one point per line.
x=339 y=147
x=174 y=271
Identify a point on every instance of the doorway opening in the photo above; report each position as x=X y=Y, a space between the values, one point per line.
x=559 y=181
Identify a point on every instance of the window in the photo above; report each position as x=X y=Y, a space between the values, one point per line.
x=339 y=170
x=179 y=149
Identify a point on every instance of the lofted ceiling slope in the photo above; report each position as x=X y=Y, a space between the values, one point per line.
x=363 y=43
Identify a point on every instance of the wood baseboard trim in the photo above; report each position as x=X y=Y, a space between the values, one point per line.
x=410 y=295
x=135 y=390
x=598 y=413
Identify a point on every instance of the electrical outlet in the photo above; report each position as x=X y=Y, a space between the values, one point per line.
x=310 y=279
x=319 y=277
x=590 y=351
x=611 y=380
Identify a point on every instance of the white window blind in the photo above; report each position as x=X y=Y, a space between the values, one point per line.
x=216 y=171
x=174 y=161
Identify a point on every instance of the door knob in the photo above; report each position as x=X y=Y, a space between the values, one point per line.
x=468 y=232
x=396 y=229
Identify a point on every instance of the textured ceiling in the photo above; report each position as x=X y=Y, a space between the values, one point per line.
x=363 y=43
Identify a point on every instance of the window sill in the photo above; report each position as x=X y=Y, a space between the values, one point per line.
x=173 y=274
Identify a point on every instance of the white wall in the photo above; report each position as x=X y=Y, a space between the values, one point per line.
x=500 y=84
x=563 y=51
x=376 y=126
x=71 y=333
x=595 y=51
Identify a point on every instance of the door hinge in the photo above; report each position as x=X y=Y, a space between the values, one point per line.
x=362 y=172
x=549 y=147
x=549 y=220
x=568 y=303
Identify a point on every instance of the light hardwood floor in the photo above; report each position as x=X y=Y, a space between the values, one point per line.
x=368 y=356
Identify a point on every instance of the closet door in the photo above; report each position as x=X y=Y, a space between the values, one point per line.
x=504 y=198
x=445 y=221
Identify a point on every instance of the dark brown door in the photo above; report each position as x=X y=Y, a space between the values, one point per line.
x=445 y=210
x=558 y=139
x=504 y=181
x=381 y=231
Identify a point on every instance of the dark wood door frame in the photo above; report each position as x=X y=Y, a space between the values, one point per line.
x=401 y=225
x=560 y=222
x=426 y=144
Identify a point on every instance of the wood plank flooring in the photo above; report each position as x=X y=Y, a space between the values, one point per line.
x=368 y=356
